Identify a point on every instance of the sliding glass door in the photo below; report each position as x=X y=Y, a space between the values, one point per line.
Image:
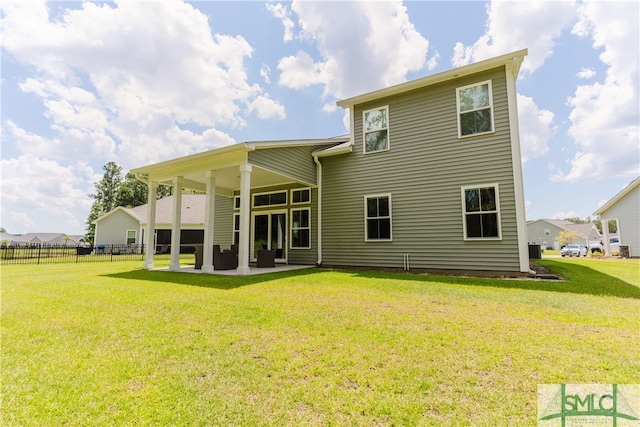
x=270 y=232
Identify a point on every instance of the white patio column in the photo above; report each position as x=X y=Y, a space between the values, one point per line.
x=605 y=232
x=150 y=232
x=245 y=219
x=177 y=223
x=207 y=250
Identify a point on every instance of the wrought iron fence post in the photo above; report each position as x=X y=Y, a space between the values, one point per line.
x=39 y=251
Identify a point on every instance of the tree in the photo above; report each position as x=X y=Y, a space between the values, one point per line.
x=577 y=220
x=96 y=212
x=132 y=192
x=613 y=226
x=107 y=188
x=567 y=237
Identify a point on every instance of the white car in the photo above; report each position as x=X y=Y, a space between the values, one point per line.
x=573 y=250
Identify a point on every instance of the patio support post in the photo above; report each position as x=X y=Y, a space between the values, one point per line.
x=177 y=222
x=150 y=233
x=605 y=232
x=245 y=219
x=207 y=249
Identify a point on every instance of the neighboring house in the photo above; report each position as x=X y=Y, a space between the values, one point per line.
x=34 y=239
x=5 y=238
x=127 y=225
x=545 y=232
x=77 y=239
x=430 y=177
x=624 y=208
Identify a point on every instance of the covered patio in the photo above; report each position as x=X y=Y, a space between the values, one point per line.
x=234 y=172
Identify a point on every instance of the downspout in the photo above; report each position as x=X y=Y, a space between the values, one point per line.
x=319 y=179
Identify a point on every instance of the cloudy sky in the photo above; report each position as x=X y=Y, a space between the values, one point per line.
x=137 y=82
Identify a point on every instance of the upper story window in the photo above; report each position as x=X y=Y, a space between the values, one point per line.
x=376 y=129
x=270 y=199
x=481 y=212
x=475 y=109
x=300 y=195
x=377 y=210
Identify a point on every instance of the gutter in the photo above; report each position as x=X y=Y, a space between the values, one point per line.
x=140 y=178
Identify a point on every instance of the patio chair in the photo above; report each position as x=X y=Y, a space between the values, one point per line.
x=266 y=258
x=199 y=255
x=224 y=260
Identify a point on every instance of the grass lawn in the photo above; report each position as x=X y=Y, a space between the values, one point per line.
x=110 y=344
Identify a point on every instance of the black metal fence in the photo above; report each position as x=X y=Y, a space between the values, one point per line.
x=58 y=254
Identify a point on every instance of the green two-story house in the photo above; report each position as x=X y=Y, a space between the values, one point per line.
x=428 y=178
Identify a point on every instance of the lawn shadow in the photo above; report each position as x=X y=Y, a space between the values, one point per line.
x=580 y=279
x=206 y=280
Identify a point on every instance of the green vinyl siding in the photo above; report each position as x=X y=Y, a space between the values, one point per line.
x=423 y=171
x=294 y=162
x=223 y=222
x=297 y=256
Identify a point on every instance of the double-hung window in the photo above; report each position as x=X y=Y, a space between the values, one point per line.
x=475 y=109
x=301 y=228
x=131 y=237
x=377 y=212
x=376 y=129
x=481 y=212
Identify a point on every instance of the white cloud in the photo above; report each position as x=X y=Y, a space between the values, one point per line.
x=586 y=73
x=382 y=44
x=267 y=108
x=515 y=25
x=527 y=208
x=605 y=115
x=134 y=82
x=265 y=73
x=116 y=74
x=33 y=189
x=536 y=128
x=283 y=13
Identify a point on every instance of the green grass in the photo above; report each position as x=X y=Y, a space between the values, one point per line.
x=110 y=344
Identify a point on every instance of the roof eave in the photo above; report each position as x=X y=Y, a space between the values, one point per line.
x=229 y=149
x=633 y=184
x=515 y=58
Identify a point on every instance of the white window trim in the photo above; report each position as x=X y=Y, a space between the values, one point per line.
x=233 y=227
x=300 y=189
x=464 y=212
x=299 y=228
x=366 y=237
x=236 y=203
x=364 y=131
x=253 y=199
x=135 y=236
x=493 y=123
